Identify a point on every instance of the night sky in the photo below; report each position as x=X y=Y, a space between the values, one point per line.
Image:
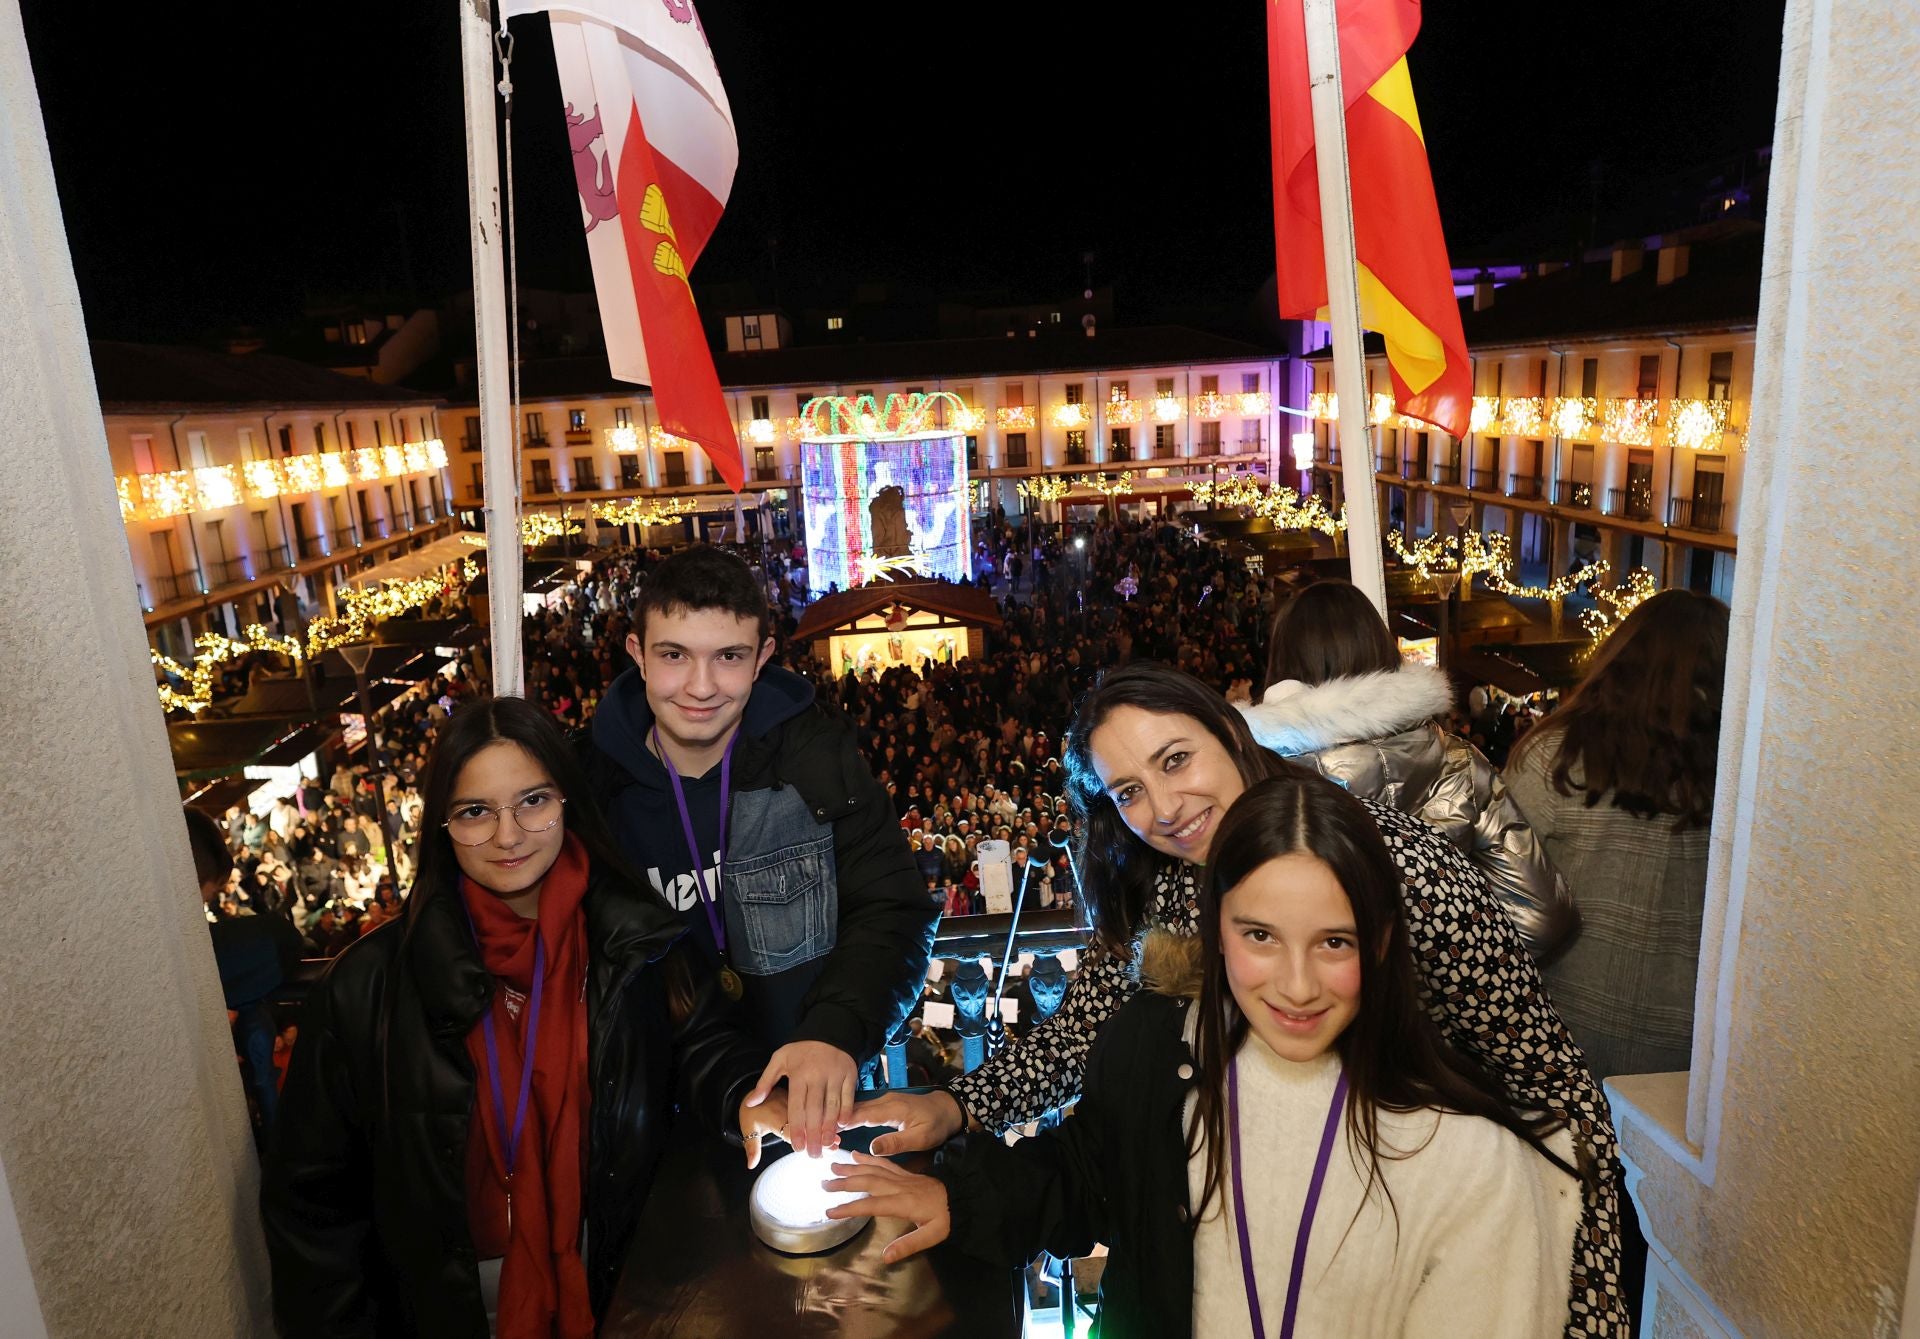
x=223 y=165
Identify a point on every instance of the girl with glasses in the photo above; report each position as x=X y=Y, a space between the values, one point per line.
x=482 y=1086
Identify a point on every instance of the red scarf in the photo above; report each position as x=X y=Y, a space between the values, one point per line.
x=543 y=1282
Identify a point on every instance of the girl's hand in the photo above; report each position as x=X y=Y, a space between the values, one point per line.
x=892 y=1192
x=758 y=1122
x=921 y=1120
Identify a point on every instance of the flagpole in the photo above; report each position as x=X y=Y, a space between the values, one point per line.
x=494 y=363
x=1343 y=300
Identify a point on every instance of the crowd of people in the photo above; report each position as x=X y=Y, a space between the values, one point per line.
x=1150 y=743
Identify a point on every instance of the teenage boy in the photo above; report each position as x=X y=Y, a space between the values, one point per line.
x=749 y=808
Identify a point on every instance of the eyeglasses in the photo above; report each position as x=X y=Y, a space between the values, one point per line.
x=475 y=824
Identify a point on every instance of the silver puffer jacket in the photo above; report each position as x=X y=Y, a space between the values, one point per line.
x=1375 y=734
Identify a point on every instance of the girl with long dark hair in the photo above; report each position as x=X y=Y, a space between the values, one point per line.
x=1277 y=1133
x=481 y=1088
x=1619 y=783
x=1154 y=760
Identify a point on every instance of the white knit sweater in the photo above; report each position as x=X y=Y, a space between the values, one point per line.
x=1485 y=1225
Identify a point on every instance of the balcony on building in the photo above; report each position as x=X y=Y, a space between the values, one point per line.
x=166 y=587
x=1016 y=458
x=1574 y=494
x=1445 y=475
x=1633 y=503
x=673 y=478
x=1685 y=513
x=1077 y=455
x=229 y=572
x=1483 y=481
x=1524 y=486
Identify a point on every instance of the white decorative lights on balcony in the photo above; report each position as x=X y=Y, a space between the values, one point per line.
x=1698 y=425
x=124 y=483
x=414 y=457
x=1485 y=417
x=393 y=462
x=333 y=471
x=1121 y=412
x=218 y=487
x=1523 y=416
x=366 y=465
x=760 y=431
x=264 y=479
x=1253 y=404
x=1574 y=416
x=1630 y=422
x=169 y=494
x=1209 y=405
x=303 y=473
x=970 y=420
x=1015 y=418
x=1167 y=408
x=623 y=440
x=1071 y=416
x=662 y=440
x=436 y=453
x=1325 y=406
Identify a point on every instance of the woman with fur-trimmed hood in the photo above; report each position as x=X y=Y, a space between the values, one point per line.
x=1342 y=700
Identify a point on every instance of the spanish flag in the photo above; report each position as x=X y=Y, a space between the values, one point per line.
x=1406 y=284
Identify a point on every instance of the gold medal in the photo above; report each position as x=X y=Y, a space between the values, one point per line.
x=731 y=984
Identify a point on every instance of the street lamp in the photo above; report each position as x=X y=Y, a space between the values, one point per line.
x=358 y=655
x=1446 y=583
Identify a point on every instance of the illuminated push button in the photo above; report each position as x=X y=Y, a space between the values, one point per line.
x=788 y=1208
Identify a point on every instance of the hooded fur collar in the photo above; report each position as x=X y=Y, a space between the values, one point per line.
x=1170 y=964
x=1294 y=718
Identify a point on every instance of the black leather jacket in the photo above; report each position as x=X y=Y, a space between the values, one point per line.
x=364 y=1186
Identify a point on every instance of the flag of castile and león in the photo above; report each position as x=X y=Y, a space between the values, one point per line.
x=654 y=155
x=1406 y=283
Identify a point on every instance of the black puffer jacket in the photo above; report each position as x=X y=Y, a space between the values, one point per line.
x=364 y=1193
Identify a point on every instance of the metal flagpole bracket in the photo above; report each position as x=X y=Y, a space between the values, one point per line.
x=1343 y=300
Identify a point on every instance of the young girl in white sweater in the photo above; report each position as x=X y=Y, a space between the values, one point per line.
x=1275 y=1140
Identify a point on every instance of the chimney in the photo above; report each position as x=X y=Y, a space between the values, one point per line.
x=1482 y=295
x=1627 y=259
x=1672 y=265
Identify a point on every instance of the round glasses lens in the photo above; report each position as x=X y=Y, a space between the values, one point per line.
x=471 y=829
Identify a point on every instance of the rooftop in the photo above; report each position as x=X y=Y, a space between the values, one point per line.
x=165 y=376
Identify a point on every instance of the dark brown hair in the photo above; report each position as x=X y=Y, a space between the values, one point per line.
x=1393 y=1053
x=701 y=577
x=1329 y=631
x=1644 y=724
x=1117 y=869
x=211 y=859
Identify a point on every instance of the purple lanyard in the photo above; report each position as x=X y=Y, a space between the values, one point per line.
x=1307 y=1210
x=510 y=1149
x=709 y=899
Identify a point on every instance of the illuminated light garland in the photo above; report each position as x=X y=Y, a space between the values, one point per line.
x=643 y=512
x=393 y=462
x=1381 y=409
x=169 y=494
x=1554 y=591
x=1630 y=422
x=1209 y=405
x=1613 y=604
x=436 y=453
x=540 y=527
x=1166 y=408
x=414 y=457
x=218 y=487
x=1123 y=412
x=302 y=473
x=1043 y=488
x=1698 y=425
x=1485 y=416
x=1284 y=507
x=1466 y=556
x=124 y=486
x=1071 y=416
x=1523 y=416
x=366 y=465
x=661 y=440
x=265 y=479
x=851 y=418
x=363 y=609
x=1574 y=416
x=1253 y=404
x=760 y=431
x=970 y=420
x=1325 y=406
x=333 y=470
x=1118 y=485
x=624 y=440
x=1015 y=418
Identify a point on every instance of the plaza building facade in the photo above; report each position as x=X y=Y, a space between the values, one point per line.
x=1158 y=405
x=249 y=479
x=1610 y=413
